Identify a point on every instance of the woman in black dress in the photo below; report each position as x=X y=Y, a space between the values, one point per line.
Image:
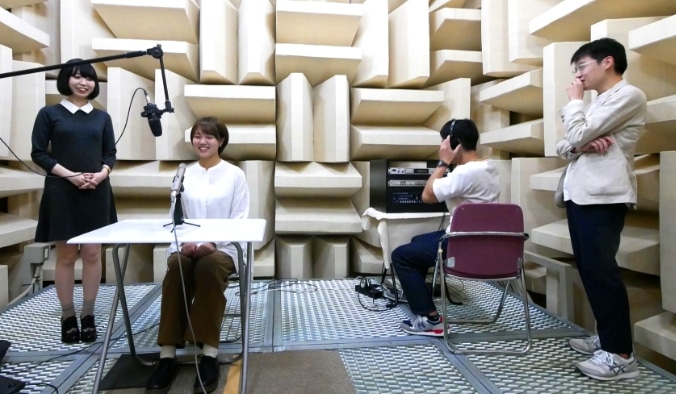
x=75 y=144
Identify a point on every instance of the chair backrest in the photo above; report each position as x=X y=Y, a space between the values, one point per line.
x=484 y=256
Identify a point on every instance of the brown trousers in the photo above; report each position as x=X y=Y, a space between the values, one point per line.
x=205 y=279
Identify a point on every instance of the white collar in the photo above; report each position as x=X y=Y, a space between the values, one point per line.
x=72 y=108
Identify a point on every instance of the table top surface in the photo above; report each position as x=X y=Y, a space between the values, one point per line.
x=380 y=215
x=139 y=231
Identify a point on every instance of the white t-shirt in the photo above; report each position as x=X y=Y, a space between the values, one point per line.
x=472 y=182
x=220 y=192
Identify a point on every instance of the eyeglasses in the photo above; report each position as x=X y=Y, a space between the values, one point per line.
x=581 y=67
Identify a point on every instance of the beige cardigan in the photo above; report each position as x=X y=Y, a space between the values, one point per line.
x=608 y=178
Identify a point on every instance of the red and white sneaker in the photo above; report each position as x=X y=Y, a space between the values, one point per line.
x=422 y=325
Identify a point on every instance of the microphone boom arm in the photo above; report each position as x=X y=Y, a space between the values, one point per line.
x=158 y=54
x=155 y=52
x=78 y=63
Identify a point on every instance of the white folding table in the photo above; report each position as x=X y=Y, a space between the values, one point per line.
x=396 y=229
x=151 y=231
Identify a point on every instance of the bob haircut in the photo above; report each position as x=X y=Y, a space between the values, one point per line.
x=601 y=49
x=461 y=131
x=211 y=126
x=85 y=70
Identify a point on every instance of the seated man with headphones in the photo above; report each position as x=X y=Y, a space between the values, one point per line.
x=473 y=180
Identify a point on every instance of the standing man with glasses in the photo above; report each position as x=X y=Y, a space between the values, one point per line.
x=597 y=188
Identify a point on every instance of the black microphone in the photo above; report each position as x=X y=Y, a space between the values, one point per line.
x=177 y=184
x=153 y=114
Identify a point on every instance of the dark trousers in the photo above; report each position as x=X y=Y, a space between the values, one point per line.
x=205 y=281
x=411 y=263
x=595 y=236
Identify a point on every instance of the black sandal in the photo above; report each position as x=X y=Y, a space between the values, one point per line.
x=69 y=330
x=88 y=328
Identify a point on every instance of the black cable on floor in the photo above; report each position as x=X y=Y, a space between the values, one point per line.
x=375 y=287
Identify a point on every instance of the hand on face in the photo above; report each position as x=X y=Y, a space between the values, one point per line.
x=446 y=154
x=575 y=90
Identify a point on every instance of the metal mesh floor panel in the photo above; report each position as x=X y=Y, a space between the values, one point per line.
x=258 y=317
x=86 y=383
x=330 y=310
x=481 y=300
x=146 y=326
x=378 y=356
x=35 y=375
x=34 y=325
x=403 y=369
x=550 y=368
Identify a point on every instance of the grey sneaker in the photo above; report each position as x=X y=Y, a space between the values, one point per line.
x=587 y=345
x=609 y=366
x=421 y=325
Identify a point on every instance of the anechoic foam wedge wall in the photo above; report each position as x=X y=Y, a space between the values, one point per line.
x=313 y=90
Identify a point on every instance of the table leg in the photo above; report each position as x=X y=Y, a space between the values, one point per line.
x=119 y=275
x=245 y=273
x=120 y=297
x=113 y=311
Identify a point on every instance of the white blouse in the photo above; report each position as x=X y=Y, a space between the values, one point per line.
x=219 y=192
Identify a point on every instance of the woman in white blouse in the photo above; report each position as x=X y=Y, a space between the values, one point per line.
x=213 y=189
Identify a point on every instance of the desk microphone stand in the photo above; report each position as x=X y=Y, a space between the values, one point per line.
x=177 y=213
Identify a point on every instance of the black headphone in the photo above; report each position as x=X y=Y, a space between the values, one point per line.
x=452 y=138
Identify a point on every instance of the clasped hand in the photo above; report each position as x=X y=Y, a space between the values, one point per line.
x=191 y=249
x=88 y=180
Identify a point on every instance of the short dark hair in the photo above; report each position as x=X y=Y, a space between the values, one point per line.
x=211 y=126
x=461 y=131
x=85 y=70
x=601 y=49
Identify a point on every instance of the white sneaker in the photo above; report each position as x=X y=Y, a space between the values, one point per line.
x=421 y=325
x=609 y=366
x=587 y=345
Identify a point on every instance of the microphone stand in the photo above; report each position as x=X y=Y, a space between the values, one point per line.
x=176 y=212
x=155 y=52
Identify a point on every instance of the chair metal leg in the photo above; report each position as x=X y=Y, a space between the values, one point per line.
x=434 y=279
x=494 y=317
x=444 y=311
x=446 y=322
x=524 y=294
x=438 y=268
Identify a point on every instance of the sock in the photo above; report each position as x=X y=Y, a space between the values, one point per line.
x=168 y=351
x=67 y=311
x=209 y=351
x=433 y=318
x=87 y=308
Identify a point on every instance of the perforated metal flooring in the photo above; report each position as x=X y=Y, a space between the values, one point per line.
x=327 y=314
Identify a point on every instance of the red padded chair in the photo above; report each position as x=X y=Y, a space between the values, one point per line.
x=485 y=243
